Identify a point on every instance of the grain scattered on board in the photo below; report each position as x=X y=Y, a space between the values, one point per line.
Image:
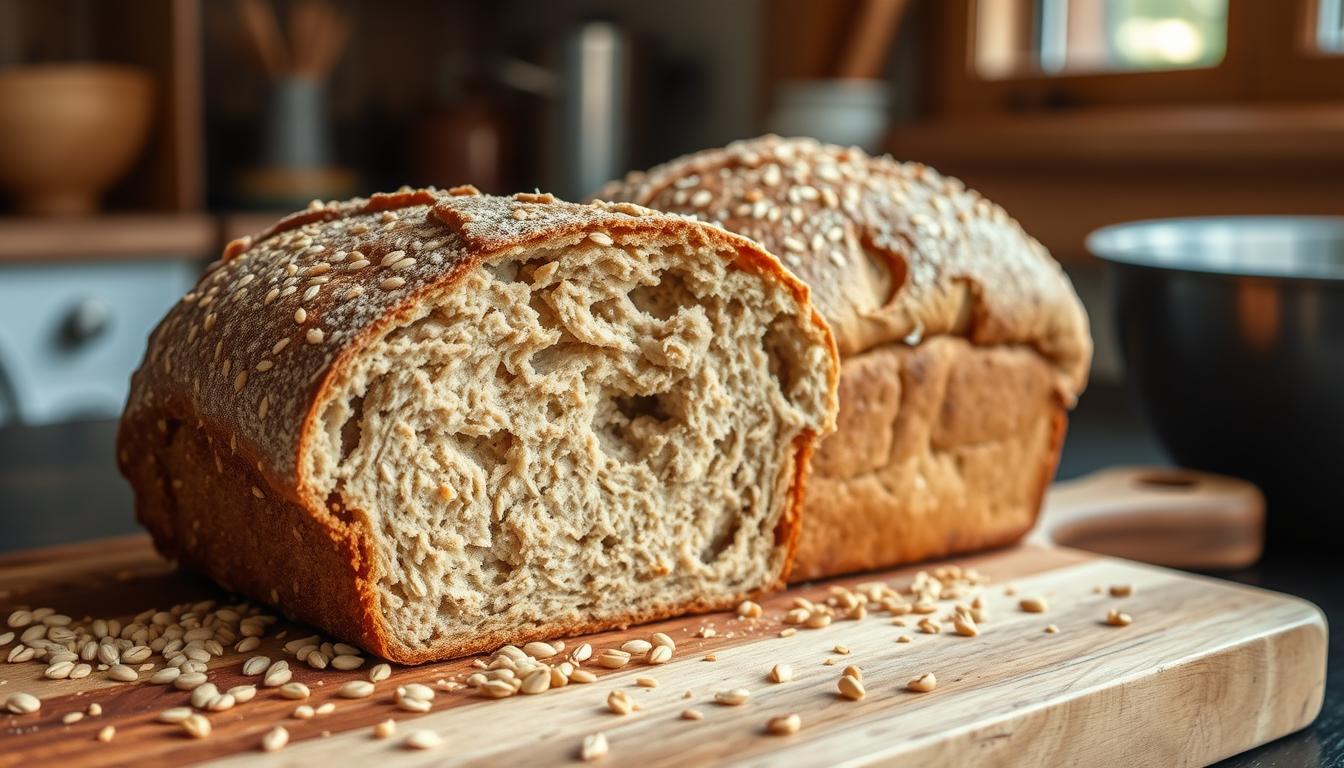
x=923 y=684
x=1033 y=604
x=593 y=747
x=735 y=697
x=850 y=688
x=275 y=739
x=784 y=725
x=21 y=703
x=422 y=739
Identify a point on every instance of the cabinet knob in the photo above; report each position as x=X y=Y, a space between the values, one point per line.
x=84 y=322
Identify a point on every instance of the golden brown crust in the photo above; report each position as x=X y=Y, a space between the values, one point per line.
x=963 y=342
x=950 y=449
x=224 y=406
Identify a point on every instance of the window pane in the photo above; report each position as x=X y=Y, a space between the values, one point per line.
x=1058 y=36
x=1167 y=34
x=1330 y=26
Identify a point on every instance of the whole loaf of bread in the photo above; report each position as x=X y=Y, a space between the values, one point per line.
x=432 y=423
x=963 y=342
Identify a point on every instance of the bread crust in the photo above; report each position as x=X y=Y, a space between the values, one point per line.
x=215 y=452
x=921 y=279
x=952 y=449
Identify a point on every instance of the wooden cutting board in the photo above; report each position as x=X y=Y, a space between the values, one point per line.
x=1206 y=670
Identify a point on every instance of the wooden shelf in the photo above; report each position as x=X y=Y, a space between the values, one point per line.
x=236 y=225
x=115 y=237
x=1288 y=137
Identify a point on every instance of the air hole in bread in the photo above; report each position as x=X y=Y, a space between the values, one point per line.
x=724 y=533
x=487 y=451
x=549 y=359
x=782 y=356
x=504 y=271
x=643 y=406
x=493 y=565
x=637 y=428
x=350 y=428
x=663 y=299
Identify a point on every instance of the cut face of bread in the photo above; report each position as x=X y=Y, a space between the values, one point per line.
x=574 y=434
x=432 y=424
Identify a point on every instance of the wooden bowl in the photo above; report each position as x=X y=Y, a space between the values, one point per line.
x=68 y=132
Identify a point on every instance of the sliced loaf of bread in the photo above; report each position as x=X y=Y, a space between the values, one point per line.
x=434 y=422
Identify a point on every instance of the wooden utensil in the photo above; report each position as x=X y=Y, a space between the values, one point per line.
x=868 y=42
x=311 y=45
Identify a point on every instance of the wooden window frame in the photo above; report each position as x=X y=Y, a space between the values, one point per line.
x=1271 y=55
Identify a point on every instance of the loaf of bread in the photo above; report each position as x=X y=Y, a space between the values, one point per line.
x=431 y=423
x=963 y=343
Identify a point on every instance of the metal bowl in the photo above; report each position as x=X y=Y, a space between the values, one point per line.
x=1233 y=336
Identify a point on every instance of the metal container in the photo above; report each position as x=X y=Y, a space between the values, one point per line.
x=593 y=110
x=1233 y=337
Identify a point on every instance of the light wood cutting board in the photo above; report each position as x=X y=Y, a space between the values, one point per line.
x=1206 y=670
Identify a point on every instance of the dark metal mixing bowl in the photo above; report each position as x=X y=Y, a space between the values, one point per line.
x=1233 y=336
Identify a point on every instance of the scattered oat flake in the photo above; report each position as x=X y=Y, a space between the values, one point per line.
x=733 y=698
x=1033 y=604
x=923 y=684
x=275 y=739
x=784 y=725
x=594 y=747
x=423 y=739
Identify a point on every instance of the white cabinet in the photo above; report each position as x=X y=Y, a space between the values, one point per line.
x=72 y=332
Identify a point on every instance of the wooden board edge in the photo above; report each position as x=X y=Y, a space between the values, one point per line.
x=90 y=548
x=1061 y=727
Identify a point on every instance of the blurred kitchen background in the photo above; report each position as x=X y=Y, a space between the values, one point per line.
x=139 y=136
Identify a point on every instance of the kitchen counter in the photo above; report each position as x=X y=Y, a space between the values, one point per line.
x=60 y=484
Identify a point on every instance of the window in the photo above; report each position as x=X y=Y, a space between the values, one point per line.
x=1330 y=26
x=1057 y=36
x=1032 y=55
x=1144 y=34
